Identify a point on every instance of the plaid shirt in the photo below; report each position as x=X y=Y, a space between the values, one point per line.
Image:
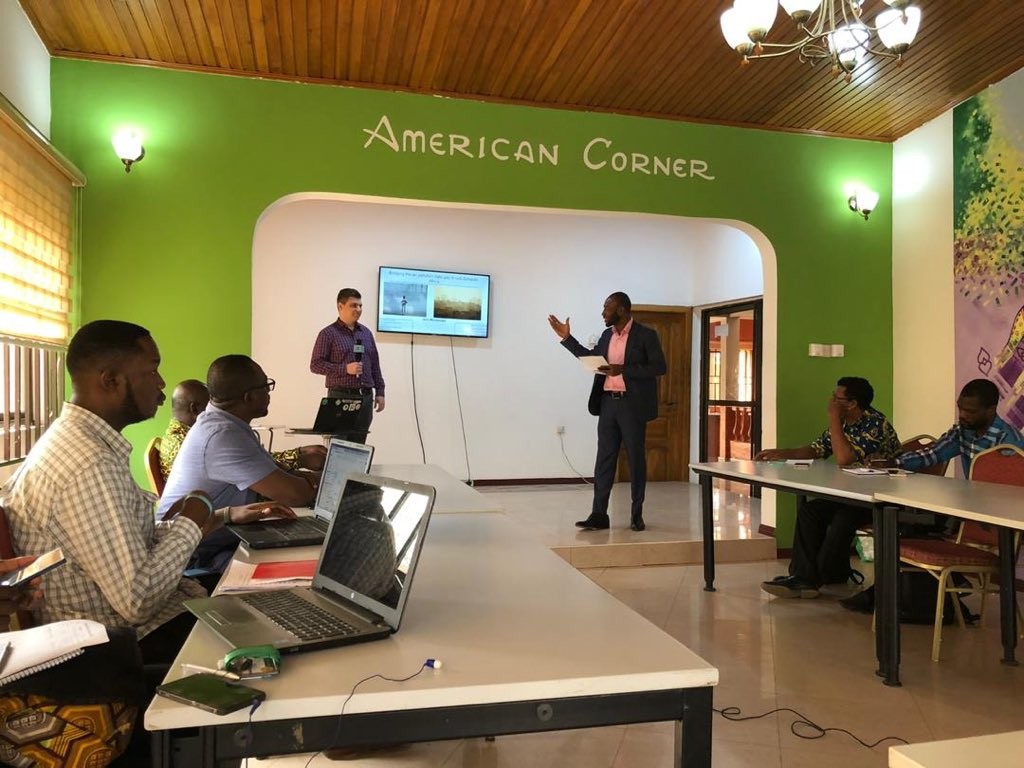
x=75 y=491
x=334 y=349
x=962 y=442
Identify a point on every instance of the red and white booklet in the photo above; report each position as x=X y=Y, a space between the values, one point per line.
x=278 y=574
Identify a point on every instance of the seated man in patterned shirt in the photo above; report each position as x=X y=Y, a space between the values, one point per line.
x=825 y=529
x=978 y=428
x=75 y=491
x=189 y=399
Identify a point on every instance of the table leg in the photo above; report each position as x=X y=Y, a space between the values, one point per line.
x=693 y=732
x=707 y=532
x=880 y=583
x=891 y=571
x=1007 y=589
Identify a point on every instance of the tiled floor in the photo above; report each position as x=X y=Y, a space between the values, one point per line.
x=810 y=655
x=671 y=512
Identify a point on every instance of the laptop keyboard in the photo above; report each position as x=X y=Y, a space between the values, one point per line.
x=298 y=616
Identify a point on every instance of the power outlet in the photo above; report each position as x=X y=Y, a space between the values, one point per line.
x=560 y=430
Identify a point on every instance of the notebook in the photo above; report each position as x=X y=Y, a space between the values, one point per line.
x=38 y=648
x=346 y=416
x=343 y=458
x=362 y=582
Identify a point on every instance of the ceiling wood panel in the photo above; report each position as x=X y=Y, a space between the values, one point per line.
x=663 y=58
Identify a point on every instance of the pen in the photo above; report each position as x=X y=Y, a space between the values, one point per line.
x=5 y=651
x=210 y=671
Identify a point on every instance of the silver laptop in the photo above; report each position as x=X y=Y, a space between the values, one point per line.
x=362 y=581
x=343 y=458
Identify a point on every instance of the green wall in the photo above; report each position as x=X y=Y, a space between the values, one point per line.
x=169 y=245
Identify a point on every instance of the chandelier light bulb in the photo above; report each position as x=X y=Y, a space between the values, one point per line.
x=849 y=43
x=899 y=5
x=127 y=144
x=734 y=29
x=757 y=15
x=898 y=28
x=800 y=10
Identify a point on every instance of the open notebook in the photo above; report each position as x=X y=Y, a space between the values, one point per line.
x=38 y=648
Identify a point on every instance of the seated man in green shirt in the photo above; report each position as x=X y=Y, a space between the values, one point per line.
x=190 y=398
x=825 y=529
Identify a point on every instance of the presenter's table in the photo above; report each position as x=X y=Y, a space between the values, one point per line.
x=528 y=644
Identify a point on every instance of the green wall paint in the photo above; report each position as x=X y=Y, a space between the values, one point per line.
x=169 y=245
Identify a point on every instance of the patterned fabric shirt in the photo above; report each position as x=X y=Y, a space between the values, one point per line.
x=962 y=442
x=334 y=349
x=170 y=444
x=870 y=434
x=75 y=491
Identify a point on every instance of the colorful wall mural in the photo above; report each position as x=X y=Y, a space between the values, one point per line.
x=988 y=221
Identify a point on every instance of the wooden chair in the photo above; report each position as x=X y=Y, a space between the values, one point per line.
x=23 y=618
x=918 y=442
x=975 y=551
x=157 y=481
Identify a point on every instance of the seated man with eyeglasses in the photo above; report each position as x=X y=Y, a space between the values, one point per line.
x=222 y=456
x=825 y=529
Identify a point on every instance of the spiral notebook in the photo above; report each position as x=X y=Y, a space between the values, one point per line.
x=31 y=650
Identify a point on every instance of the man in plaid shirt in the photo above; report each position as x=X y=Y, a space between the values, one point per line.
x=75 y=491
x=978 y=428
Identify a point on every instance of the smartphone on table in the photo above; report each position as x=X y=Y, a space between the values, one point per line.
x=42 y=564
x=211 y=693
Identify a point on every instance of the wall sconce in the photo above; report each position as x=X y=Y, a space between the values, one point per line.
x=863 y=201
x=128 y=146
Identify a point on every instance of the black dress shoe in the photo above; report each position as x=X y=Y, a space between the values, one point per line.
x=593 y=523
x=637 y=523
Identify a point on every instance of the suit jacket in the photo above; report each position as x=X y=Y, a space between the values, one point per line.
x=644 y=361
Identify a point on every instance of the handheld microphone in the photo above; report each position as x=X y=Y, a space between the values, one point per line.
x=357 y=349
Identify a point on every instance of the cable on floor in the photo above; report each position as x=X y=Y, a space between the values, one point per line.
x=415 y=409
x=815 y=731
x=561 y=440
x=462 y=420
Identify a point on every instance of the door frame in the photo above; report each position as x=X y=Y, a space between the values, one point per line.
x=704 y=402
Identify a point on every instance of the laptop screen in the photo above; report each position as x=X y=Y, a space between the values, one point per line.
x=343 y=458
x=374 y=543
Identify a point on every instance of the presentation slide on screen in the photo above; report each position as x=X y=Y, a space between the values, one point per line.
x=431 y=302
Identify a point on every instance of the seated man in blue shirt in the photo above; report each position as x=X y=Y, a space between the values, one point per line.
x=825 y=529
x=222 y=456
x=978 y=428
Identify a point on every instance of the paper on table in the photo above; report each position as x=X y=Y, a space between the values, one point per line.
x=243 y=577
x=593 y=362
x=865 y=471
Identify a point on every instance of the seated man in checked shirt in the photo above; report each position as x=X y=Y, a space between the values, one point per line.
x=75 y=491
x=977 y=429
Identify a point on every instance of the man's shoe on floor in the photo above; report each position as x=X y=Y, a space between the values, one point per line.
x=593 y=523
x=636 y=522
x=794 y=586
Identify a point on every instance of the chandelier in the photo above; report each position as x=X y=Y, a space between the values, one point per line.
x=833 y=30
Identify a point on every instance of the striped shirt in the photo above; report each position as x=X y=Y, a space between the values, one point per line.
x=335 y=349
x=75 y=491
x=962 y=442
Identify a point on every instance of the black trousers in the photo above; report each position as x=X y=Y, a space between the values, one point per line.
x=617 y=427
x=822 y=541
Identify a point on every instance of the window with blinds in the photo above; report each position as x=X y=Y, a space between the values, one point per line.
x=37 y=208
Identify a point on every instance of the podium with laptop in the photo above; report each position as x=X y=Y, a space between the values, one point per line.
x=343 y=415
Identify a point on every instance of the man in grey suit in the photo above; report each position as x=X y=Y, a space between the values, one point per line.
x=624 y=398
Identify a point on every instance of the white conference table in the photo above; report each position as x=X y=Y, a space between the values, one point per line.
x=528 y=644
x=992 y=503
x=997 y=750
x=452 y=495
x=997 y=504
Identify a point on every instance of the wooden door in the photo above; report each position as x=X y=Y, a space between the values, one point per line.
x=668 y=436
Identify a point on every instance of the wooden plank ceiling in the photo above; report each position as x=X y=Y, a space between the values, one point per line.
x=663 y=58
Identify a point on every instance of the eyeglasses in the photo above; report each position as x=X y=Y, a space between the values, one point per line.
x=843 y=399
x=268 y=385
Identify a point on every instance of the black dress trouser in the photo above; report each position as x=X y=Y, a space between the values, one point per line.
x=618 y=426
x=822 y=540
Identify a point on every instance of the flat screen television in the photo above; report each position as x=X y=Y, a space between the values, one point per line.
x=432 y=302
